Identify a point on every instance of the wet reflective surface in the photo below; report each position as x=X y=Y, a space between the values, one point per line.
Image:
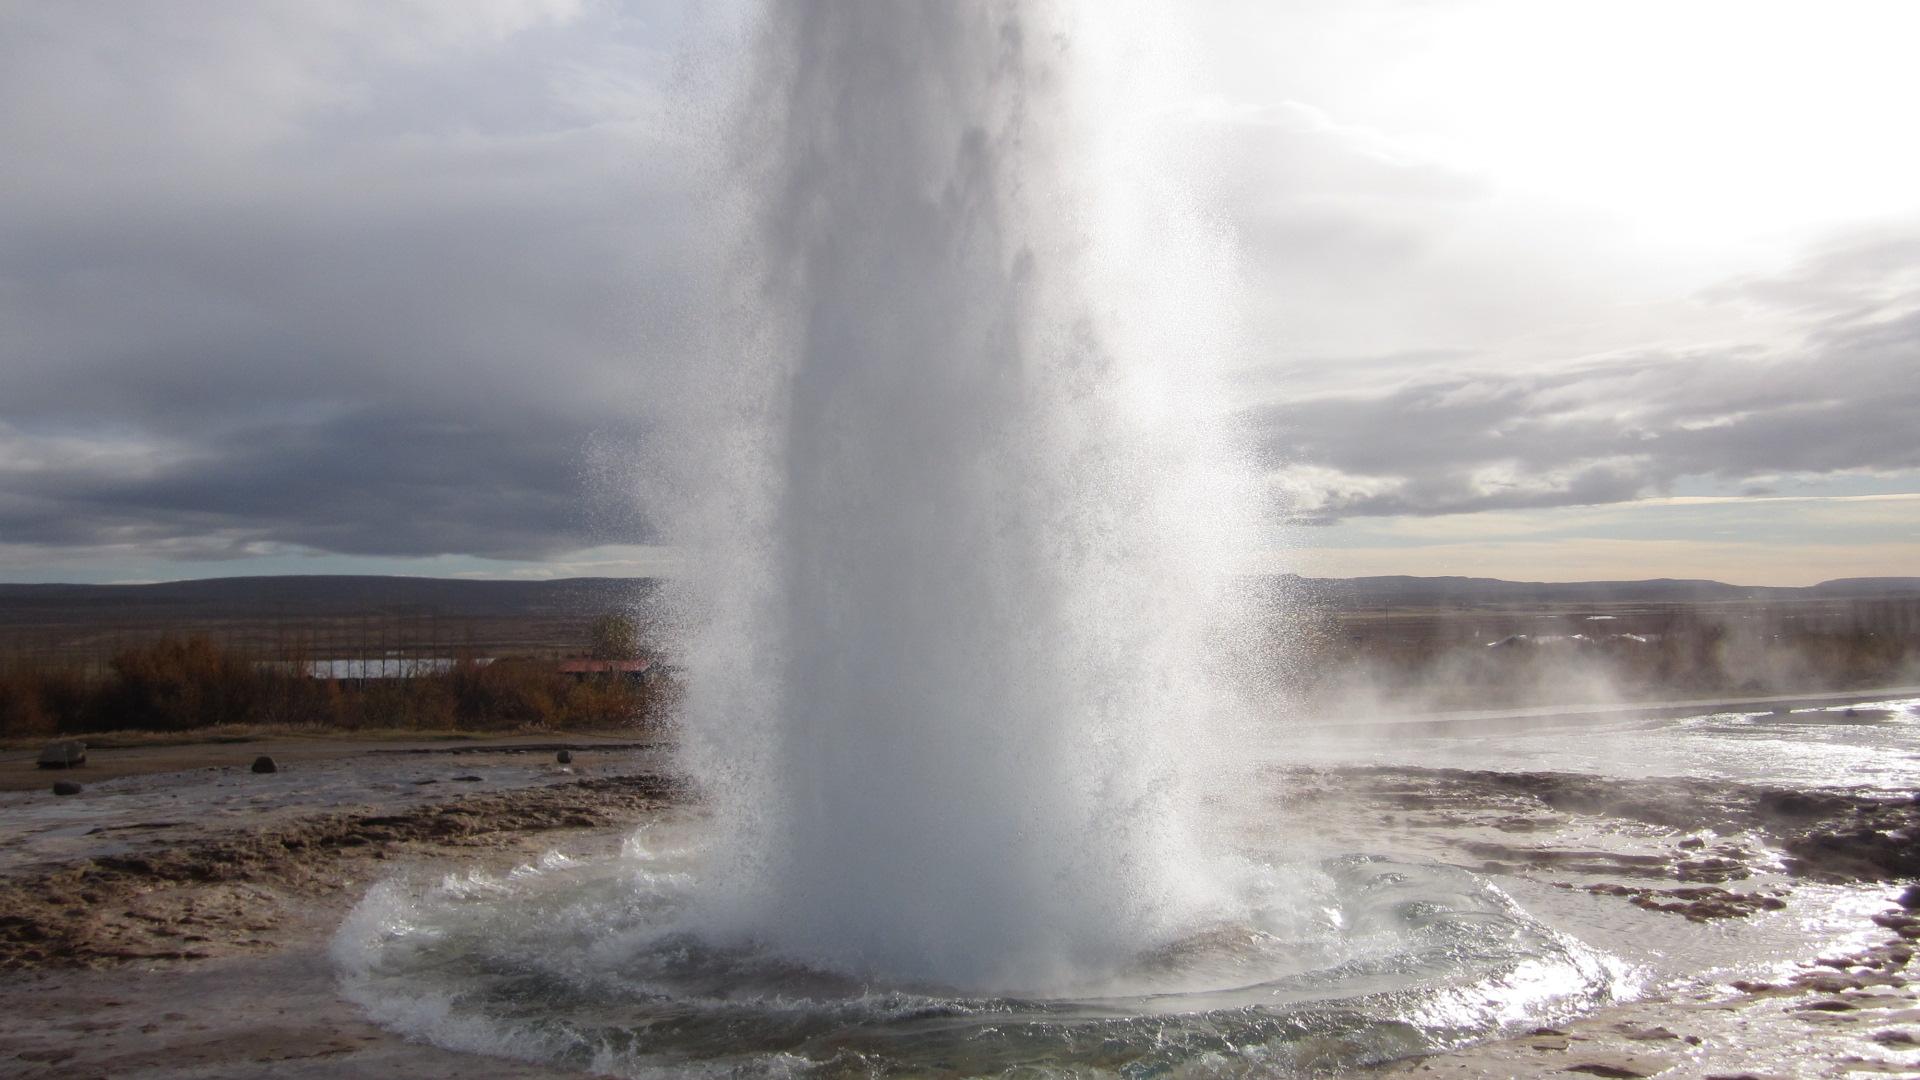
x=589 y=963
x=1390 y=897
x=1870 y=742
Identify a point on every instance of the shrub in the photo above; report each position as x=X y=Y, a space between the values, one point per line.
x=175 y=684
x=180 y=683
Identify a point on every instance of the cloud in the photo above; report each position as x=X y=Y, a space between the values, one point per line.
x=402 y=280
x=1842 y=396
x=395 y=482
x=365 y=278
x=1797 y=540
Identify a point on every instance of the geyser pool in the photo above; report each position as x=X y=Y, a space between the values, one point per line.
x=595 y=964
x=958 y=634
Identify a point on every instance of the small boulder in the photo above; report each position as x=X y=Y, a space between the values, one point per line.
x=1893 y=1037
x=64 y=754
x=265 y=764
x=66 y=787
x=564 y=757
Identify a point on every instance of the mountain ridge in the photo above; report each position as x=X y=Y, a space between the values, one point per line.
x=323 y=594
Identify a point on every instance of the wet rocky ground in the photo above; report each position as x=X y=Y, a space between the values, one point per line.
x=212 y=895
x=176 y=925
x=1697 y=831
x=1703 y=852
x=1846 y=1014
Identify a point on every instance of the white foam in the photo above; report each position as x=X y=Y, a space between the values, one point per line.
x=592 y=963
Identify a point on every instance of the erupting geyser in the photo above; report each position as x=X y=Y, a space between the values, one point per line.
x=959 y=636
x=955 y=625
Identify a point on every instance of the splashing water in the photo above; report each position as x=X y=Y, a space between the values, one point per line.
x=589 y=963
x=965 y=534
x=959 y=636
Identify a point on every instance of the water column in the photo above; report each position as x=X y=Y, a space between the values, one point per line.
x=959 y=563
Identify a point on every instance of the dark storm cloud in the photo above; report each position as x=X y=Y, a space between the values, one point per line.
x=1843 y=397
x=361 y=278
x=367 y=482
x=396 y=279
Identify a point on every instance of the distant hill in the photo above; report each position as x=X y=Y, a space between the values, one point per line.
x=322 y=596
x=316 y=596
x=1869 y=587
x=1451 y=591
x=1466 y=591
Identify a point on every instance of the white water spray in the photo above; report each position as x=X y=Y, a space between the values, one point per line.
x=962 y=535
x=962 y=522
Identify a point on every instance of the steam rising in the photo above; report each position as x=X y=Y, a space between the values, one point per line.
x=963 y=523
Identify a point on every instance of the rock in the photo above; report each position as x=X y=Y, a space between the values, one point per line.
x=1911 y=898
x=1879 y=851
x=564 y=757
x=1894 y=1037
x=66 y=787
x=1624 y=1068
x=265 y=764
x=467 y=779
x=64 y=754
x=1826 y=982
x=1803 y=804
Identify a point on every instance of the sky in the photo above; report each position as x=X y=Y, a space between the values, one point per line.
x=1567 y=291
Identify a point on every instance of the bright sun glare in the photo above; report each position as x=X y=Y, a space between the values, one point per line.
x=1696 y=122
